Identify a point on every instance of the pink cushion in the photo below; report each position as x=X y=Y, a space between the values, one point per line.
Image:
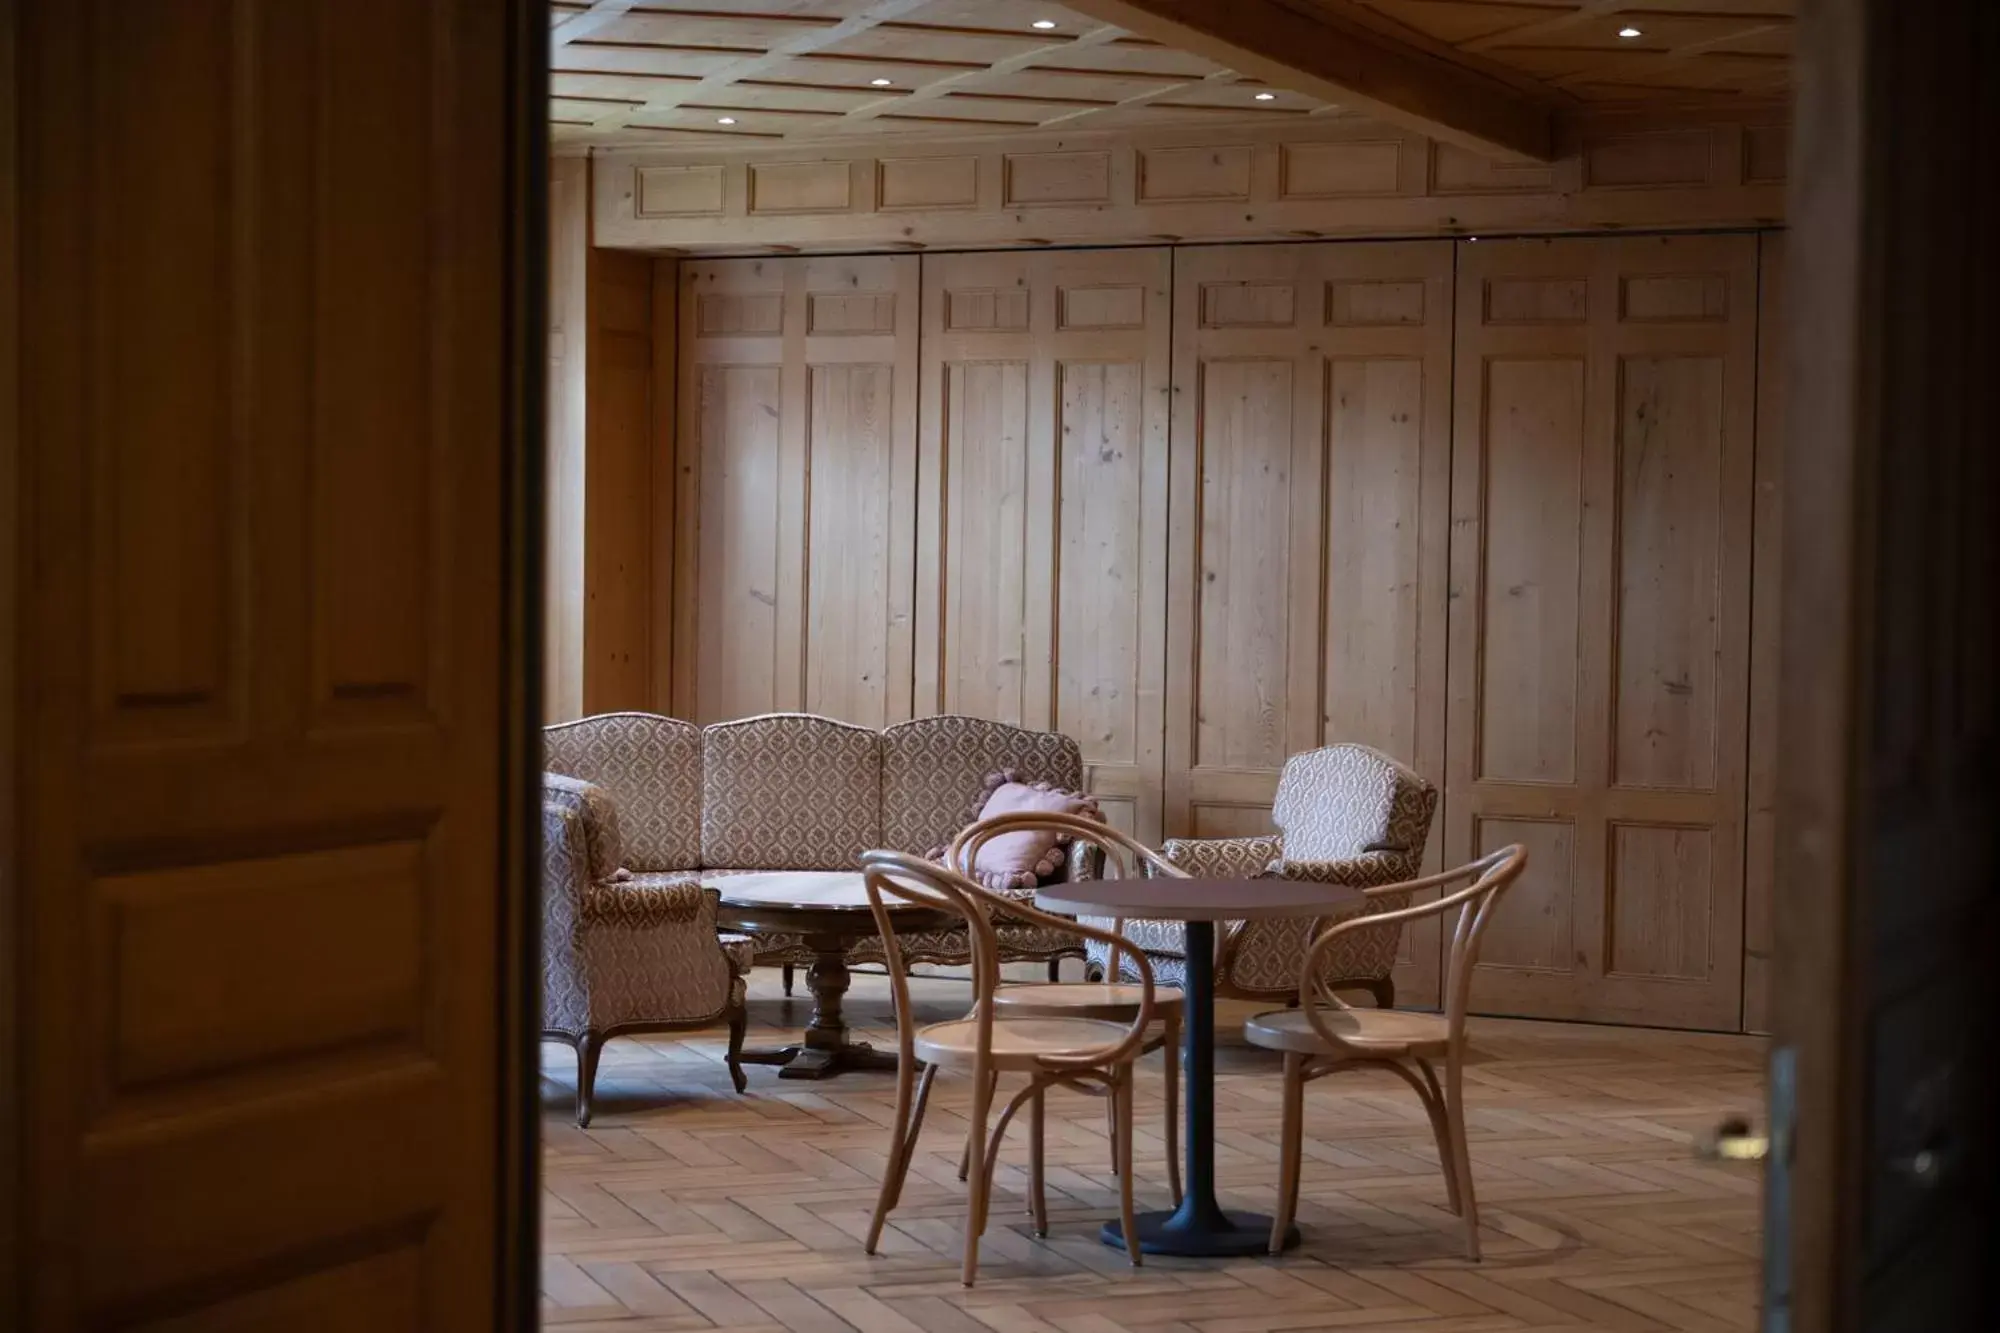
x=1020 y=860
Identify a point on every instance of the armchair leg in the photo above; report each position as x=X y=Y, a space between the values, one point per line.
x=1093 y=972
x=1055 y=970
x=739 y=1021
x=788 y=974
x=589 y=1046
x=1384 y=991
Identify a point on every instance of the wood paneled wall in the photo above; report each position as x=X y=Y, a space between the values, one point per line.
x=1486 y=506
x=609 y=509
x=1605 y=401
x=797 y=481
x=1042 y=506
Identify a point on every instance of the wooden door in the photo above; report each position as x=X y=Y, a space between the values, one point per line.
x=1882 y=1188
x=1311 y=466
x=797 y=487
x=275 y=611
x=1041 y=577
x=1600 y=618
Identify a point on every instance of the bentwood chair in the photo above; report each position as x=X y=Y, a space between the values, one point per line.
x=1088 y=1055
x=1324 y=1034
x=1115 y=1001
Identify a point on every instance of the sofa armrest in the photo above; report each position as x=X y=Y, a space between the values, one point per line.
x=1223 y=858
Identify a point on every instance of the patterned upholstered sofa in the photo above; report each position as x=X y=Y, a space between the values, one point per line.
x=794 y=791
x=1347 y=815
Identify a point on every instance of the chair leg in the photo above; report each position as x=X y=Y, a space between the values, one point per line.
x=902 y=1146
x=1290 y=1150
x=1122 y=1088
x=1170 y=1058
x=1055 y=970
x=1111 y=1130
x=1038 y=1200
x=788 y=973
x=981 y=1183
x=965 y=1158
x=1433 y=1099
x=1384 y=991
x=588 y=1047
x=1461 y=1154
x=739 y=1023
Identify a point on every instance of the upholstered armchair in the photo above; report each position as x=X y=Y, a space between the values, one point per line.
x=1346 y=815
x=625 y=953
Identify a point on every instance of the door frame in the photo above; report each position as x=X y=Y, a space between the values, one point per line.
x=11 y=1089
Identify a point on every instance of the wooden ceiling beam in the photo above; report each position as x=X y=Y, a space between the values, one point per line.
x=1361 y=69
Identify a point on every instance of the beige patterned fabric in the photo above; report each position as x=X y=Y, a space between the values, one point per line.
x=1209 y=858
x=934 y=772
x=651 y=766
x=628 y=953
x=1346 y=815
x=790 y=791
x=602 y=843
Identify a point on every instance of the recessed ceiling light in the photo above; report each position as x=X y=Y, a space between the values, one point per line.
x=1629 y=33
x=725 y=120
x=878 y=83
x=1043 y=24
x=1267 y=97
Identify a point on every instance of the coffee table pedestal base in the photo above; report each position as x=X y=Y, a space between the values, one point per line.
x=1208 y=1233
x=803 y=1061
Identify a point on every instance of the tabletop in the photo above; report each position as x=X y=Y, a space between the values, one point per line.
x=804 y=891
x=1198 y=899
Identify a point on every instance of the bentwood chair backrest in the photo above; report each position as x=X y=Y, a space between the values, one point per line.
x=898 y=876
x=1125 y=858
x=1489 y=877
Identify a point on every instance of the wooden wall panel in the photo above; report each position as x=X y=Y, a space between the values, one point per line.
x=1311 y=465
x=618 y=532
x=796 y=487
x=1767 y=602
x=1600 y=637
x=1041 y=586
x=564 y=585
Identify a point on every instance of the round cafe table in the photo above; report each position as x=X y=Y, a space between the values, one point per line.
x=1199 y=1227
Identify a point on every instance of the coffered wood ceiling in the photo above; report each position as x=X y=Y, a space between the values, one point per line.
x=1491 y=74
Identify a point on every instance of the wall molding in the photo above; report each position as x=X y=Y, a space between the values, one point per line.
x=1313 y=179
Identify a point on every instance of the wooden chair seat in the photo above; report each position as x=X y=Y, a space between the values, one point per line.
x=1018 y=1043
x=1082 y=999
x=1384 y=1033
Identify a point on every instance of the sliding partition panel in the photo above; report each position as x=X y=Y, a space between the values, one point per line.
x=1311 y=470
x=1600 y=618
x=797 y=463
x=1042 y=545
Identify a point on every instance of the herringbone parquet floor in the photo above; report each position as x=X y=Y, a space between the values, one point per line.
x=685 y=1206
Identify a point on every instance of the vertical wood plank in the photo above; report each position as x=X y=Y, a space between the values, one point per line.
x=563 y=534
x=618 y=484
x=1766 y=622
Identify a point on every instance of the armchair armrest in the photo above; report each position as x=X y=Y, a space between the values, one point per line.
x=1368 y=871
x=1223 y=858
x=645 y=903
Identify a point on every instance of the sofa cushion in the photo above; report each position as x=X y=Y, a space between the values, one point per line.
x=934 y=772
x=651 y=765
x=789 y=791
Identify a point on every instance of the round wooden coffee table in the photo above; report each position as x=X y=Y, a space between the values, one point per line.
x=830 y=909
x=1200 y=1226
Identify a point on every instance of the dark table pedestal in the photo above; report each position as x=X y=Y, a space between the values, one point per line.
x=1199 y=1228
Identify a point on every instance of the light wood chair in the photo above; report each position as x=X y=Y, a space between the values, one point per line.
x=1324 y=1034
x=1113 y=1001
x=1088 y=1055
